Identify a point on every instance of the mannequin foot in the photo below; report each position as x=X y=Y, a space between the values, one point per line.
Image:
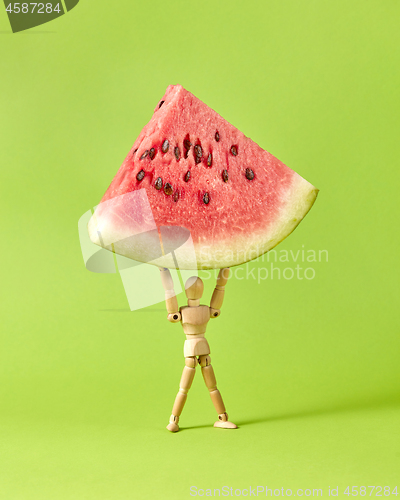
x=225 y=425
x=223 y=422
x=173 y=424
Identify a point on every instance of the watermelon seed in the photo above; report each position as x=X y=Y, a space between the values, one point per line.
x=249 y=174
x=135 y=150
x=217 y=136
x=206 y=198
x=186 y=144
x=176 y=196
x=165 y=146
x=187 y=176
x=152 y=153
x=161 y=103
x=234 y=150
x=225 y=176
x=198 y=153
x=168 y=189
x=209 y=160
x=177 y=153
x=144 y=154
x=140 y=175
x=158 y=183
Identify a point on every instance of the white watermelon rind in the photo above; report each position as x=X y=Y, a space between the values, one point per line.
x=295 y=203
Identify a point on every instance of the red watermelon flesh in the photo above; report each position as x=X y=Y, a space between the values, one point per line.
x=192 y=169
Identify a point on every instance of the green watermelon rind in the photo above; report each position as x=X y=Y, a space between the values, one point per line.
x=243 y=221
x=300 y=205
x=300 y=196
x=295 y=204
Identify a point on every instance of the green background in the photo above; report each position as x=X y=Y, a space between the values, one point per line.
x=309 y=369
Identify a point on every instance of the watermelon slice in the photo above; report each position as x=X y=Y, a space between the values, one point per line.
x=192 y=175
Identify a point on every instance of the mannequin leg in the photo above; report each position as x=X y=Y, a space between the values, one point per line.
x=184 y=386
x=209 y=378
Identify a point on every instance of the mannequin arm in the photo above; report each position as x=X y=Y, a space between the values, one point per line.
x=170 y=298
x=219 y=292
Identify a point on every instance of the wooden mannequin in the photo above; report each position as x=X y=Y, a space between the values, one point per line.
x=194 y=318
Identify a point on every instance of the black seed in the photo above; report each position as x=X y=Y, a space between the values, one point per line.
x=161 y=103
x=187 y=144
x=152 y=153
x=198 y=151
x=225 y=176
x=140 y=175
x=217 y=136
x=209 y=160
x=176 y=196
x=206 y=198
x=144 y=154
x=135 y=151
x=234 y=150
x=187 y=176
x=168 y=189
x=249 y=174
x=158 y=183
x=177 y=153
x=165 y=146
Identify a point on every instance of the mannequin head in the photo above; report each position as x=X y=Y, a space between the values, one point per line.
x=194 y=288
